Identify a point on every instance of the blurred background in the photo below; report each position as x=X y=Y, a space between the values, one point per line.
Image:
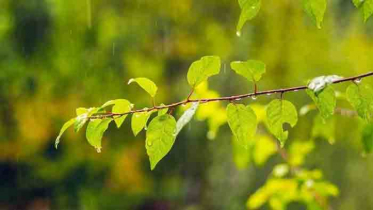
x=56 y=56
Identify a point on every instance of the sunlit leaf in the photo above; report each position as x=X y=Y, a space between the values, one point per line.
x=298 y=150
x=249 y=9
x=121 y=106
x=360 y=97
x=280 y=112
x=326 y=189
x=146 y=84
x=202 y=69
x=139 y=120
x=80 y=121
x=316 y=10
x=95 y=131
x=243 y=123
x=81 y=110
x=324 y=100
x=367 y=138
x=280 y=170
x=160 y=138
x=265 y=147
x=63 y=129
x=186 y=117
x=252 y=70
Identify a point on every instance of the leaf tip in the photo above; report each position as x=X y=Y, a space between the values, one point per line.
x=130 y=81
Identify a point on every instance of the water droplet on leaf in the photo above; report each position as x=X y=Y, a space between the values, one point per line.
x=357 y=81
x=238 y=33
x=98 y=150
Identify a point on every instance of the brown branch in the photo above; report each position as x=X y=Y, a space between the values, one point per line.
x=226 y=98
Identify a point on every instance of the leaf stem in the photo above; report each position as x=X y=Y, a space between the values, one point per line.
x=226 y=98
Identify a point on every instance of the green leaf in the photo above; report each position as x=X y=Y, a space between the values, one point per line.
x=324 y=100
x=202 y=69
x=95 y=131
x=298 y=151
x=81 y=110
x=278 y=113
x=121 y=106
x=146 y=84
x=316 y=10
x=367 y=138
x=186 y=117
x=80 y=121
x=243 y=123
x=366 y=6
x=252 y=70
x=249 y=9
x=139 y=121
x=361 y=98
x=63 y=129
x=160 y=138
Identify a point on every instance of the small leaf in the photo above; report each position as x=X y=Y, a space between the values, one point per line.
x=202 y=69
x=186 y=117
x=95 y=131
x=146 y=84
x=160 y=138
x=249 y=9
x=278 y=113
x=63 y=129
x=121 y=106
x=81 y=110
x=319 y=83
x=367 y=138
x=252 y=70
x=139 y=121
x=325 y=101
x=315 y=9
x=361 y=98
x=80 y=121
x=243 y=123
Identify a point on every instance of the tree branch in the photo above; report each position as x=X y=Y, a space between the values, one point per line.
x=226 y=98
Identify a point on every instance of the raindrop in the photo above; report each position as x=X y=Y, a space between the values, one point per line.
x=357 y=81
x=146 y=127
x=268 y=94
x=98 y=149
x=253 y=97
x=296 y=90
x=183 y=105
x=238 y=33
x=238 y=99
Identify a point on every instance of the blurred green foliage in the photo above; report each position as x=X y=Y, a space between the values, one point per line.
x=56 y=56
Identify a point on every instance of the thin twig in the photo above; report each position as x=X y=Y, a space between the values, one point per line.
x=226 y=98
